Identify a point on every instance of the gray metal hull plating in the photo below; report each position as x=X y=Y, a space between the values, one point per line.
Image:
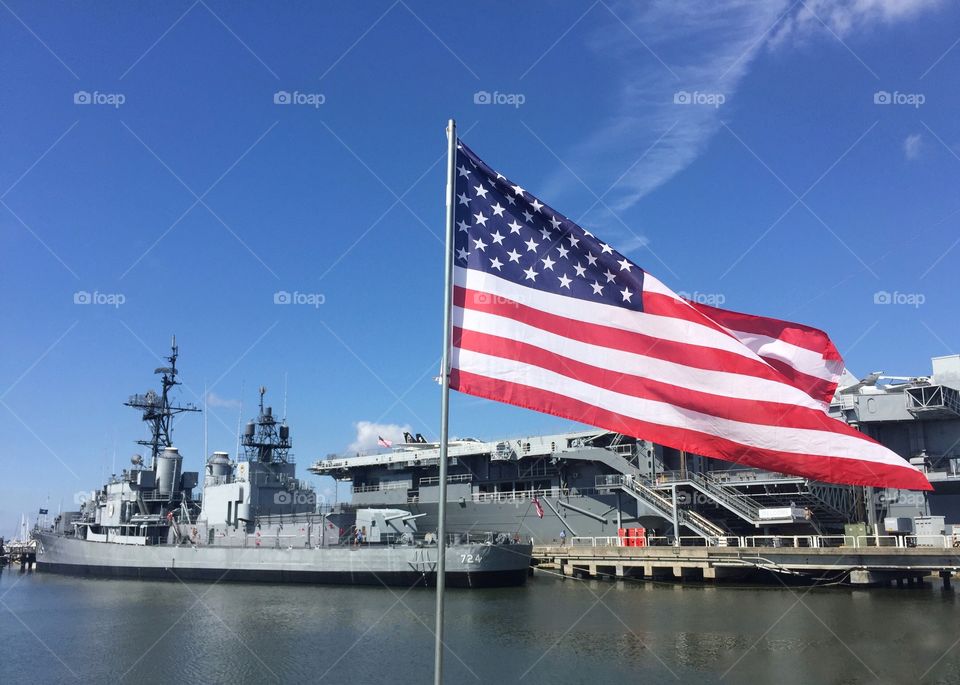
x=468 y=565
x=520 y=517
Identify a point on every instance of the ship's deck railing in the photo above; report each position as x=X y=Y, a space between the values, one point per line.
x=731 y=476
x=458 y=478
x=596 y=542
x=795 y=541
x=524 y=495
x=381 y=487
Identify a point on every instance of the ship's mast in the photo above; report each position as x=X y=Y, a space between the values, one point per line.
x=158 y=412
x=265 y=440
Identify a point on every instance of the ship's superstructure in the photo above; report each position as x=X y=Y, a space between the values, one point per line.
x=145 y=504
x=919 y=419
x=592 y=483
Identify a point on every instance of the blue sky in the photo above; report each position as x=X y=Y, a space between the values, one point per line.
x=791 y=160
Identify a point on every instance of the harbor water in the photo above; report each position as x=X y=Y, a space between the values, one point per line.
x=62 y=629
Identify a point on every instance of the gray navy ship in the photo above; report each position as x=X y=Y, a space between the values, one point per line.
x=254 y=520
x=593 y=483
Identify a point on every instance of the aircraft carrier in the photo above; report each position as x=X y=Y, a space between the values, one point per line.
x=255 y=521
x=594 y=483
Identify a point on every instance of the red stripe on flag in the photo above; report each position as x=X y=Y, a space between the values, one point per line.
x=828 y=469
x=748 y=411
x=797 y=334
x=805 y=337
x=817 y=388
x=688 y=354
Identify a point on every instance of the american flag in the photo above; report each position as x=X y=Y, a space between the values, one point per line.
x=383 y=442
x=549 y=317
x=536 y=505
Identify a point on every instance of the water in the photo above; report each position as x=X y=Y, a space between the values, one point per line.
x=62 y=629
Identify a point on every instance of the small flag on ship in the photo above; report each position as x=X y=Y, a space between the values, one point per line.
x=43 y=511
x=383 y=442
x=536 y=505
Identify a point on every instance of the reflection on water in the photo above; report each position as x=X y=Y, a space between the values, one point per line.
x=60 y=629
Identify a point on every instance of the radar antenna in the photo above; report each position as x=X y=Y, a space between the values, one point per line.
x=265 y=440
x=157 y=410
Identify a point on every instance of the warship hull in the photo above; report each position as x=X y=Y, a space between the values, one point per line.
x=467 y=565
x=595 y=518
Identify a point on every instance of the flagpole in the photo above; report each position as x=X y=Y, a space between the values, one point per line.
x=445 y=400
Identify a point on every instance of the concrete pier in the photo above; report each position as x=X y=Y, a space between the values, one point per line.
x=865 y=566
x=22 y=553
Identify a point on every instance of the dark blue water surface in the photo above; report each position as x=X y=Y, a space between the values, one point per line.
x=62 y=629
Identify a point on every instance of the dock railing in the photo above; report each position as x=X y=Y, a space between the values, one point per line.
x=775 y=541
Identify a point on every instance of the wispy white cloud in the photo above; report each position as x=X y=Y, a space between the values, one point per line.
x=844 y=17
x=369 y=432
x=665 y=115
x=680 y=66
x=214 y=400
x=912 y=145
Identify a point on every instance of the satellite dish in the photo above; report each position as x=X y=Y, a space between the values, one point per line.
x=136 y=460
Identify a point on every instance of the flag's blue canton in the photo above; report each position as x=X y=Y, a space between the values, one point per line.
x=504 y=230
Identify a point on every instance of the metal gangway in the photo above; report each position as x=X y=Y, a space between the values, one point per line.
x=740 y=504
x=666 y=507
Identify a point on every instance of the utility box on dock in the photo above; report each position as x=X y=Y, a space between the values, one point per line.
x=898 y=525
x=855 y=530
x=928 y=530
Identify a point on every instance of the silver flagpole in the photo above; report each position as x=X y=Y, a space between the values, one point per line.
x=445 y=400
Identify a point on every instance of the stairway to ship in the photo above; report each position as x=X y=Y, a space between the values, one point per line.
x=630 y=481
x=733 y=506
x=830 y=506
x=739 y=504
x=642 y=490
